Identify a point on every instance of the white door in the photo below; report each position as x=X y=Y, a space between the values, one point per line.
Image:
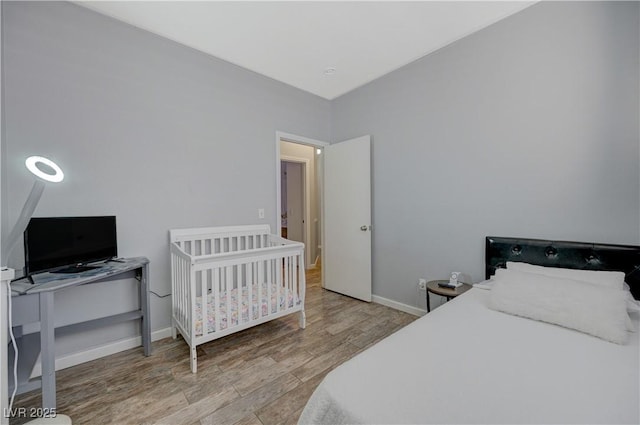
x=347 y=218
x=295 y=201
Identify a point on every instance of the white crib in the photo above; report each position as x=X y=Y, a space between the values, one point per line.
x=226 y=279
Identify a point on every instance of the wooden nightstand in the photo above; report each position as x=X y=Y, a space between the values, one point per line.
x=432 y=286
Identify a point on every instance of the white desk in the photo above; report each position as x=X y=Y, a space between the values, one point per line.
x=36 y=302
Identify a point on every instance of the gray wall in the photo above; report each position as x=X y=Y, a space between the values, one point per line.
x=527 y=128
x=160 y=135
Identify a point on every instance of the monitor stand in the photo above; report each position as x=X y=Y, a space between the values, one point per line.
x=74 y=269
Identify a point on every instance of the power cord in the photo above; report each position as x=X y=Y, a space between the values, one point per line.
x=15 y=347
x=160 y=296
x=139 y=279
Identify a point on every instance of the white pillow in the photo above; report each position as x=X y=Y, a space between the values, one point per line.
x=613 y=280
x=631 y=304
x=610 y=279
x=583 y=306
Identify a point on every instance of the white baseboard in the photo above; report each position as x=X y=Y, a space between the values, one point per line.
x=94 y=353
x=398 y=306
x=314 y=265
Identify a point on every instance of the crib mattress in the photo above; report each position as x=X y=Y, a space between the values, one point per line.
x=284 y=301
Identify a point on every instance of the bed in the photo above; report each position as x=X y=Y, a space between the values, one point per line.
x=227 y=279
x=467 y=363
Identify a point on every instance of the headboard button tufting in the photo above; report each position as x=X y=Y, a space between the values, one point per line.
x=550 y=252
x=592 y=259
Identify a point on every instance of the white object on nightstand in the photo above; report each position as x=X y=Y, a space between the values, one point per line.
x=453 y=279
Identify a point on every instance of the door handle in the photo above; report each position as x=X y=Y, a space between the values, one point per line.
x=364 y=228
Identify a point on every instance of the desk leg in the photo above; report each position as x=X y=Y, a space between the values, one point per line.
x=145 y=323
x=47 y=350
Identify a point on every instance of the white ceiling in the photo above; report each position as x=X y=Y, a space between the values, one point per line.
x=295 y=41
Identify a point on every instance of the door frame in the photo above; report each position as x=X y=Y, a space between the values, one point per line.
x=306 y=204
x=300 y=140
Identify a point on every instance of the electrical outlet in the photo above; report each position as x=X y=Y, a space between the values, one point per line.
x=422 y=284
x=261 y=213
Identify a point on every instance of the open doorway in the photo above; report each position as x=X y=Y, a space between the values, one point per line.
x=299 y=206
x=299 y=192
x=294 y=198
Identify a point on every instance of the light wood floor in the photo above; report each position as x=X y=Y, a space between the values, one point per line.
x=261 y=376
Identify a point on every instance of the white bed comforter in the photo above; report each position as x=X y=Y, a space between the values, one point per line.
x=464 y=363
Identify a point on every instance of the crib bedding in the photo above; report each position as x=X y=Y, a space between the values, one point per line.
x=466 y=363
x=286 y=299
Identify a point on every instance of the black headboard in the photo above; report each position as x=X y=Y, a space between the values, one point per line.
x=570 y=255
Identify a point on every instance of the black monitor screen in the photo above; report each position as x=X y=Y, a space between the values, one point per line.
x=62 y=241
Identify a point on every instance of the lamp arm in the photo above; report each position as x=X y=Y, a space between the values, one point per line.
x=23 y=220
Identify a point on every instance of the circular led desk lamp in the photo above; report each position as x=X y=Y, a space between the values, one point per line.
x=50 y=172
x=32 y=165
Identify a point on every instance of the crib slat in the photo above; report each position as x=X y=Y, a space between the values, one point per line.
x=216 y=297
x=273 y=268
x=191 y=296
x=228 y=281
x=180 y=292
x=187 y=294
x=274 y=284
x=205 y=304
x=291 y=279
x=237 y=283
x=260 y=280
x=287 y=282
x=281 y=278
x=250 y=284
x=186 y=307
x=240 y=281
x=282 y=271
x=174 y=285
x=294 y=276
x=268 y=282
x=178 y=289
x=181 y=280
